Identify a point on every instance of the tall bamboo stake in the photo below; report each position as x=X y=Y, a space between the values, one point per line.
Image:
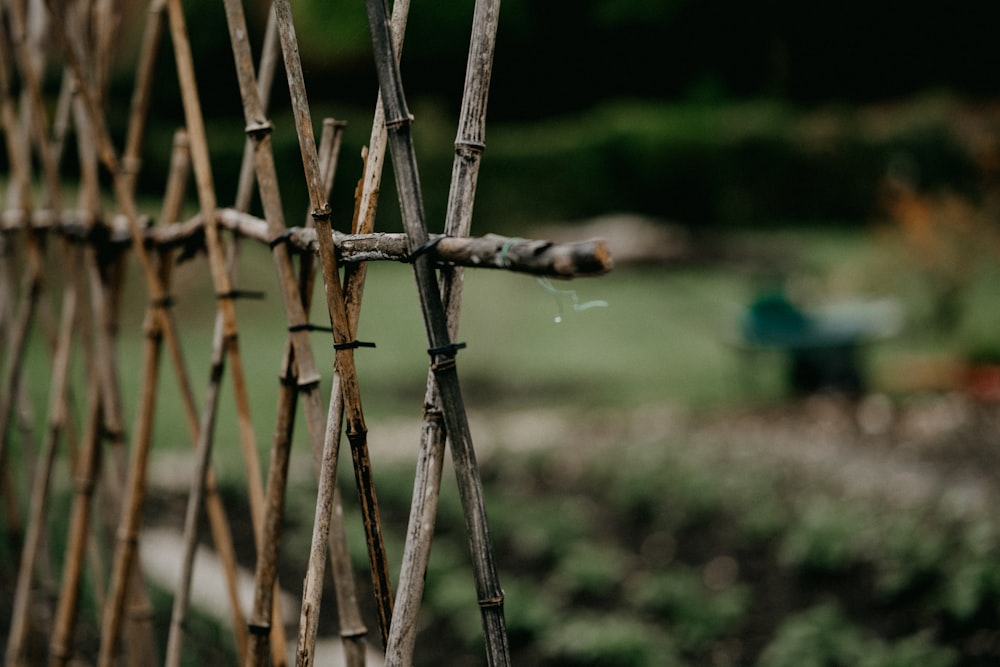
x=124 y=183
x=244 y=192
x=162 y=326
x=442 y=350
x=224 y=293
x=87 y=468
x=33 y=282
x=195 y=495
x=57 y=418
x=328 y=518
x=343 y=341
x=328 y=525
x=469 y=145
x=179 y=613
x=265 y=572
x=203 y=487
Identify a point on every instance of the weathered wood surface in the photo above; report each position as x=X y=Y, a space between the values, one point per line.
x=536 y=257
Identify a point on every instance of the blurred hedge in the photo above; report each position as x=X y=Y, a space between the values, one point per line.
x=702 y=165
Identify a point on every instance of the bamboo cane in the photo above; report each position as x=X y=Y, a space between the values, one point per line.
x=149 y=47
x=328 y=526
x=33 y=283
x=344 y=343
x=88 y=465
x=469 y=145
x=20 y=613
x=140 y=630
x=123 y=186
x=244 y=192
x=265 y=572
x=194 y=499
x=442 y=350
x=173 y=201
x=224 y=292
x=328 y=519
x=255 y=491
x=204 y=490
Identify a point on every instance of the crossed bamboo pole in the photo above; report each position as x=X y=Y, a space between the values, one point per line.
x=442 y=349
x=200 y=479
x=328 y=518
x=123 y=181
x=444 y=402
x=344 y=345
x=469 y=146
x=225 y=294
x=28 y=64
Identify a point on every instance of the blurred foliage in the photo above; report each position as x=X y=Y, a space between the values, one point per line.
x=646 y=105
x=841 y=581
x=824 y=636
x=704 y=166
x=561 y=56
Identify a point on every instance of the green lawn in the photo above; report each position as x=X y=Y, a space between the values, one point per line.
x=666 y=334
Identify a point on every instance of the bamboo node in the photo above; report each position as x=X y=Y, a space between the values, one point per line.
x=259 y=130
x=130 y=165
x=321 y=214
x=128 y=538
x=258 y=629
x=354 y=634
x=397 y=123
x=307 y=384
x=495 y=601
x=473 y=146
x=85 y=486
x=163 y=302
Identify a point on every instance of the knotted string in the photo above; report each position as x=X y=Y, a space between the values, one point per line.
x=546 y=284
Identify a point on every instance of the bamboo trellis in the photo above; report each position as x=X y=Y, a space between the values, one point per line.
x=93 y=241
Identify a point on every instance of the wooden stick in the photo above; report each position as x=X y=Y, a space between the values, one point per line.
x=57 y=418
x=442 y=349
x=255 y=490
x=297 y=359
x=469 y=146
x=329 y=532
x=172 y=205
x=356 y=429
x=491 y=251
x=329 y=516
x=195 y=496
x=20 y=161
x=328 y=519
x=152 y=36
x=87 y=468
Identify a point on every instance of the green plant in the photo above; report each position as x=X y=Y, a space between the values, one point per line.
x=824 y=537
x=597 y=640
x=590 y=569
x=696 y=615
x=823 y=636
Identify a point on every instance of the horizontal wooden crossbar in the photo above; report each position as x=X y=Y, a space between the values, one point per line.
x=536 y=257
